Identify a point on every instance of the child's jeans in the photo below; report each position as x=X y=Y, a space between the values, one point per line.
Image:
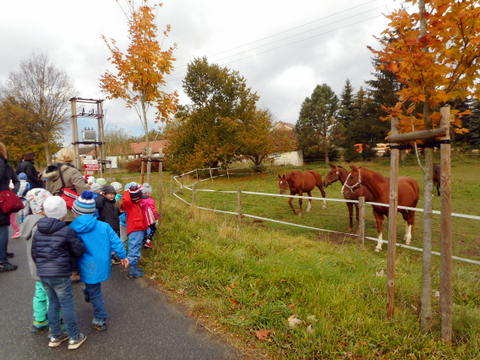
x=40 y=303
x=60 y=297
x=94 y=292
x=13 y=223
x=123 y=234
x=135 y=241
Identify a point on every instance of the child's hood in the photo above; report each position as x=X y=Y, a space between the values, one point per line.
x=84 y=223
x=50 y=225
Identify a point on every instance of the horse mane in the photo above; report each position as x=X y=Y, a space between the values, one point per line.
x=374 y=178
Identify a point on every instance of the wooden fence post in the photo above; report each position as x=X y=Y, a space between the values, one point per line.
x=228 y=174
x=171 y=187
x=239 y=204
x=142 y=171
x=193 y=196
x=361 y=220
x=210 y=171
x=446 y=296
x=392 y=224
x=160 y=189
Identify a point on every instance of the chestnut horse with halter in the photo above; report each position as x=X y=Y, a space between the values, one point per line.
x=338 y=173
x=299 y=182
x=379 y=186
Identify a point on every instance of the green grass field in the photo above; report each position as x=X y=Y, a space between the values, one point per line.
x=465 y=194
x=242 y=277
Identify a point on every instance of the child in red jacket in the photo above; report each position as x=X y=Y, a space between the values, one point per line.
x=151 y=215
x=136 y=227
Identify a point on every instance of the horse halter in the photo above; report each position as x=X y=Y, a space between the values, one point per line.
x=352 y=187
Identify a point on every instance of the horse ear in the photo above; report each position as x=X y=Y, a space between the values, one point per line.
x=333 y=166
x=279 y=176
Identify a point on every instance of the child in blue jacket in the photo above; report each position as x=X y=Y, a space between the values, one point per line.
x=99 y=240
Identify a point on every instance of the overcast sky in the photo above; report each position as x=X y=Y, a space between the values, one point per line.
x=283 y=48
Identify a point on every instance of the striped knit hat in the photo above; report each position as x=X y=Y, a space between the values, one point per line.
x=85 y=204
x=136 y=192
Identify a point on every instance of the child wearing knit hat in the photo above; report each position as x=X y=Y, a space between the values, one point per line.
x=136 y=227
x=108 y=212
x=54 y=244
x=151 y=215
x=35 y=198
x=100 y=241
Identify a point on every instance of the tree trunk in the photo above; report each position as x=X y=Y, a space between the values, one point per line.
x=48 y=156
x=149 y=149
x=426 y=300
x=327 y=158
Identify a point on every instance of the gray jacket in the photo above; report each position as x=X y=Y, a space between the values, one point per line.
x=28 y=229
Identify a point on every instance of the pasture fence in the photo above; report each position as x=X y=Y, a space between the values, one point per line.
x=239 y=213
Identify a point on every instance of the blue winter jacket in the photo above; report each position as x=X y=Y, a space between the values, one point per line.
x=54 y=244
x=99 y=240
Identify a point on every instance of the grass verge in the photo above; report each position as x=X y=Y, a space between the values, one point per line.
x=245 y=277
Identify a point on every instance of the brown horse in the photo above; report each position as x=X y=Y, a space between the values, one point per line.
x=338 y=173
x=378 y=185
x=299 y=182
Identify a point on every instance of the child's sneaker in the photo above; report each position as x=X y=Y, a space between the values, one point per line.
x=38 y=326
x=99 y=325
x=148 y=244
x=57 y=341
x=74 y=344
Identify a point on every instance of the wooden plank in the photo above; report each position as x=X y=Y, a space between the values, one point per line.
x=446 y=288
x=417 y=135
x=239 y=204
x=392 y=224
x=361 y=220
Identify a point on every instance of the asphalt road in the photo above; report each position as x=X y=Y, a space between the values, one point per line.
x=142 y=323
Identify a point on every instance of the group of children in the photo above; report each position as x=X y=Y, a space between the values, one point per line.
x=92 y=241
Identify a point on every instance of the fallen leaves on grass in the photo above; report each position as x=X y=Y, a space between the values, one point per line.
x=380 y=273
x=234 y=301
x=263 y=335
x=292 y=306
x=293 y=321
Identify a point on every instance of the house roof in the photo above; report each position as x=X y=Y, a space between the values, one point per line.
x=280 y=125
x=157 y=146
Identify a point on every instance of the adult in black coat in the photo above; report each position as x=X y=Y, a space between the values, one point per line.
x=27 y=166
x=7 y=175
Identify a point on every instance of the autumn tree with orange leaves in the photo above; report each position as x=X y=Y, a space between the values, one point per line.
x=434 y=53
x=141 y=70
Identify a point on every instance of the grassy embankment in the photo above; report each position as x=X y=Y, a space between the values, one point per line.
x=249 y=276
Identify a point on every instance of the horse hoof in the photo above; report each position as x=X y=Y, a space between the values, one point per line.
x=378 y=249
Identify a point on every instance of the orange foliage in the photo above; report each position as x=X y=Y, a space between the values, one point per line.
x=140 y=72
x=436 y=68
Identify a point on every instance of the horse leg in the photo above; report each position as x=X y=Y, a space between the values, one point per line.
x=320 y=187
x=410 y=219
x=379 y=222
x=300 y=203
x=290 y=202
x=309 y=204
x=350 y=216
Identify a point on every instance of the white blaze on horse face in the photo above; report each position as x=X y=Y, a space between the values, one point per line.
x=408 y=234
x=379 y=242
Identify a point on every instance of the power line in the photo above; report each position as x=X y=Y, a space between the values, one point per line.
x=289 y=30
x=286 y=44
x=295 y=27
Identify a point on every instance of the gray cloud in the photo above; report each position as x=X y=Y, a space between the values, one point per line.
x=283 y=77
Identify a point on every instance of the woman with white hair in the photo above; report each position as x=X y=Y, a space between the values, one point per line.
x=64 y=175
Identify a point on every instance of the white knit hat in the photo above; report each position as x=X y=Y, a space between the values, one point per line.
x=95 y=187
x=55 y=207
